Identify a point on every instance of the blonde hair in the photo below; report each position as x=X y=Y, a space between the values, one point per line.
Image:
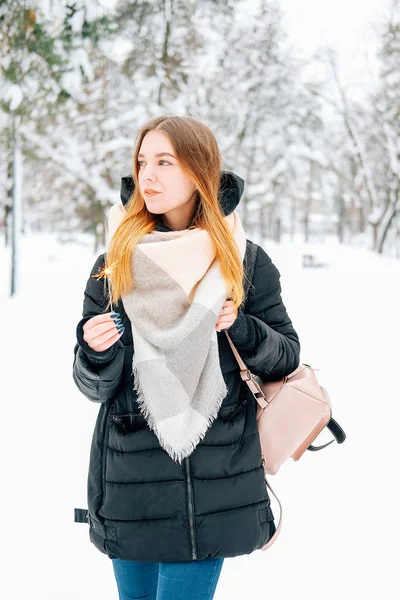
x=198 y=154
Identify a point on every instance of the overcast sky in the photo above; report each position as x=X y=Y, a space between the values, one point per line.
x=347 y=25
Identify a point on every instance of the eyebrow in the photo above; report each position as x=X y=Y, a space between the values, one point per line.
x=159 y=154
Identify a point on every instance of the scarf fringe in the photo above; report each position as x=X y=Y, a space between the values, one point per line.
x=190 y=445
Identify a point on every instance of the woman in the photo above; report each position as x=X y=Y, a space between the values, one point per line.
x=176 y=480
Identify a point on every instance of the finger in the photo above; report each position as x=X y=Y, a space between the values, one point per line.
x=104 y=341
x=227 y=303
x=227 y=312
x=106 y=345
x=225 y=323
x=98 y=319
x=225 y=319
x=100 y=333
x=93 y=325
x=96 y=330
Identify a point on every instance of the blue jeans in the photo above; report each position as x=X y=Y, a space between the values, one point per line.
x=195 y=579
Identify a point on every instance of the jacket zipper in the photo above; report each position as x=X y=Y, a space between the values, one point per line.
x=190 y=511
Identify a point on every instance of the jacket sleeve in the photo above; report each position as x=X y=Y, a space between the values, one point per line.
x=263 y=332
x=96 y=374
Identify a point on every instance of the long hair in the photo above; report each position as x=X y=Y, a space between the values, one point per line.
x=198 y=154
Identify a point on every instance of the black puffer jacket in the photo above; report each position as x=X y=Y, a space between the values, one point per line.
x=142 y=505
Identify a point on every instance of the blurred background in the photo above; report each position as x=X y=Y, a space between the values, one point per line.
x=303 y=97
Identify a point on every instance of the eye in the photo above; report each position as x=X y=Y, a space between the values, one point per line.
x=141 y=161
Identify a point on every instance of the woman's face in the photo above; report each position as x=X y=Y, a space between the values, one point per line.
x=159 y=170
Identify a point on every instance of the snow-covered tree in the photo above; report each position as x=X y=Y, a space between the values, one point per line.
x=43 y=56
x=386 y=217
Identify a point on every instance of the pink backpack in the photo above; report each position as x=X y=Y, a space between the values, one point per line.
x=291 y=413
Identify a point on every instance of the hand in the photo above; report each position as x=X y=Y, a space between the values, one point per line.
x=100 y=332
x=227 y=316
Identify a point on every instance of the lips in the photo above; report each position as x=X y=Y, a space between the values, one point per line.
x=151 y=192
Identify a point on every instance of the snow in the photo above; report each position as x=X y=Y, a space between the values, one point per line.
x=12 y=93
x=72 y=79
x=340 y=523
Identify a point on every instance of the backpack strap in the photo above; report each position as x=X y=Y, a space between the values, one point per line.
x=249 y=267
x=278 y=528
x=337 y=431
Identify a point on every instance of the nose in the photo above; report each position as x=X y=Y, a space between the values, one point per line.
x=147 y=173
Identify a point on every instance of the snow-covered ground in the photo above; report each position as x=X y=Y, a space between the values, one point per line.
x=341 y=506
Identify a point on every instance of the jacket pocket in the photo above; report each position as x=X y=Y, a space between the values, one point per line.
x=232 y=412
x=129 y=422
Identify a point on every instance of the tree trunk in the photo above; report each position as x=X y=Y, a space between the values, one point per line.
x=264 y=220
x=16 y=207
x=292 y=217
x=308 y=202
x=342 y=218
x=278 y=230
x=385 y=222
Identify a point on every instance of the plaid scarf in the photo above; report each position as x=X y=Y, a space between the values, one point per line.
x=175 y=304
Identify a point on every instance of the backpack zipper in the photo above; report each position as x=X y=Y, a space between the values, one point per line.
x=190 y=509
